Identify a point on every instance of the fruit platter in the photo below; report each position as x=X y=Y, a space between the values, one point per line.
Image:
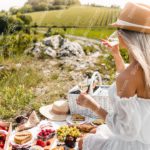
x=5 y=131
x=47 y=134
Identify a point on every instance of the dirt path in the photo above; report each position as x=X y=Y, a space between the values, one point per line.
x=74 y=37
x=94 y=41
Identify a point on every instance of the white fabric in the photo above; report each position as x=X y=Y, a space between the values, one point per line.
x=128 y=128
x=121 y=22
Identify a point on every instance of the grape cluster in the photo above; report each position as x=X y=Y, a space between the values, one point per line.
x=63 y=131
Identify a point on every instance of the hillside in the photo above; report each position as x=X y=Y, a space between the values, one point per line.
x=80 y=16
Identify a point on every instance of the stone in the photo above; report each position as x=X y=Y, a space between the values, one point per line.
x=36 y=52
x=71 y=49
x=50 y=52
x=39 y=91
x=18 y=66
x=54 y=41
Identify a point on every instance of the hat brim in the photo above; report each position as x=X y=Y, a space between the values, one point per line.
x=46 y=112
x=131 y=28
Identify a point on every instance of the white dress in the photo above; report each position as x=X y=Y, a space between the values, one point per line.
x=127 y=128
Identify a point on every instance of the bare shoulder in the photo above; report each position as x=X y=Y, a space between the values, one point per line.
x=128 y=81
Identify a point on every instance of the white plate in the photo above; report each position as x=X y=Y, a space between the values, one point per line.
x=22 y=145
x=70 y=121
x=94 y=124
x=36 y=147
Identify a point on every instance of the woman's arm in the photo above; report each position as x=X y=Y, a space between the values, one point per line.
x=120 y=65
x=87 y=101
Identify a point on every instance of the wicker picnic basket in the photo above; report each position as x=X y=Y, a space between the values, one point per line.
x=100 y=96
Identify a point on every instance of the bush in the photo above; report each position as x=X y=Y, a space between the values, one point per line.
x=25 y=18
x=26 y=8
x=3 y=23
x=42 y=6
x=9 y=24
x=16 y=44
x=13 y=11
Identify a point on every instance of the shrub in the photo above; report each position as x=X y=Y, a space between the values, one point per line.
x=25 y=18
x=3 y=23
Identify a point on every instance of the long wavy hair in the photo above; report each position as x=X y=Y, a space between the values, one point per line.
x=138 y=44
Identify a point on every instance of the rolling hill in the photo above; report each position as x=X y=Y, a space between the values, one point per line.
x=80 y=16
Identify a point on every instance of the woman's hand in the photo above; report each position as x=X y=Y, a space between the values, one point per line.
x=80 y=144
x=87 y=101
x=114 y=49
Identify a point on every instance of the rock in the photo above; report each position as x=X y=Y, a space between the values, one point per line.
x=38 y=45
x=41 y=91
x=50 y=52
x=36 y=52
x=18 y=66
x=2 y=67
x=54 y=41
x=71 y=49
x=46 y=72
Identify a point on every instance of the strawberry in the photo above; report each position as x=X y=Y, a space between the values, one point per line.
x=1 y=144
x=40 y=143
x=48 y=143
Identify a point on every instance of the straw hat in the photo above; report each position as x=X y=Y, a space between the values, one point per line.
x=57 y=111
x=135 y=17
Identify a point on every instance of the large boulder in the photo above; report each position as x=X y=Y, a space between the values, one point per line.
x=54 y=41
x=69 y=49
x=39 y=50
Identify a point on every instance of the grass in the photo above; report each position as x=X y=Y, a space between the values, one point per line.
x=81 y=16
x=16 y=86
x=97 y=33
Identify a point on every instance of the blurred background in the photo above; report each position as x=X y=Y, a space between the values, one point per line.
x=48 y=46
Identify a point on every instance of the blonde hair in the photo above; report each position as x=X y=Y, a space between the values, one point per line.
x=139 y=46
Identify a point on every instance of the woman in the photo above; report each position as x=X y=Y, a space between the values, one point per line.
x=128 y=127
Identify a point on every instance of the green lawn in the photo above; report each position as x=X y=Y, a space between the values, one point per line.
x=81 y=16
x=97 y=33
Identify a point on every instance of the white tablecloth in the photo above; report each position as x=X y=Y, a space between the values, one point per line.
x=37 y=129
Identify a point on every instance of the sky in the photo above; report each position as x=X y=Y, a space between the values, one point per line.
x=6 y=4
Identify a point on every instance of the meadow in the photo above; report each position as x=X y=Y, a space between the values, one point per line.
x=93 y=33
x=76 y=16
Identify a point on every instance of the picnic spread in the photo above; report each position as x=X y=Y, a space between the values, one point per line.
x=64 y=124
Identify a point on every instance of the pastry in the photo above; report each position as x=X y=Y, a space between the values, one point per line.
x=59 y=148
x=85 y=127
x=98 y=122
x=22 y=137
x=32 y=122
x=78 y=117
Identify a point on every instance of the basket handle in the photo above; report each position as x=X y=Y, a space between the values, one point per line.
x=96 y=75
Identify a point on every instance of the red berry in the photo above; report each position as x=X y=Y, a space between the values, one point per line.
x=40 y=143
x=1 y=145
x=40 y=134
x=48 y=143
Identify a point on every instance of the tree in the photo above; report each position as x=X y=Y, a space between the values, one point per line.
x=25 y=18
x=40 y=6
x=3 y=23
x=26 y=8
x=13 y=11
